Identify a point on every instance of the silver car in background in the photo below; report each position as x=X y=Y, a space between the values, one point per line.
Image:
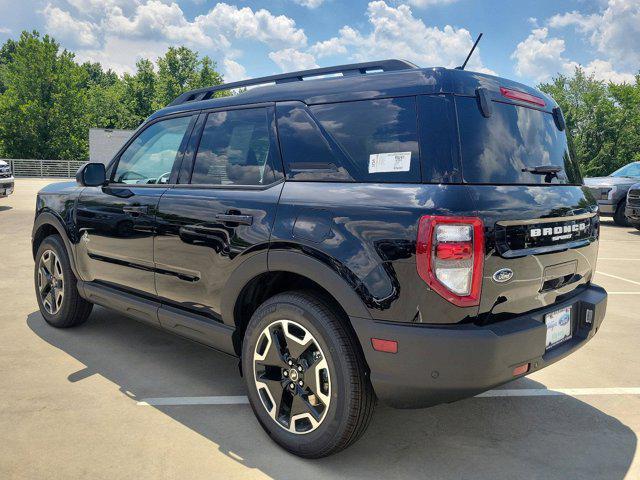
x=632 y=210
x=6 y=179
x=611 y=191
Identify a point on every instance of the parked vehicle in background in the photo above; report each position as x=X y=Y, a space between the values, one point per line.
x=6 y=179
x=632 y=210
x=611 y=191
x=387 y=232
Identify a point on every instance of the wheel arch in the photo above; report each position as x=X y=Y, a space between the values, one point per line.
x=45 y=225
x=256 y=280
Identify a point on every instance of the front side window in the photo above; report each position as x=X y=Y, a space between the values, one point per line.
x=235 y=149
x=149 y=159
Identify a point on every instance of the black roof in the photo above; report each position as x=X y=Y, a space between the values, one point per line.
x=387 y=78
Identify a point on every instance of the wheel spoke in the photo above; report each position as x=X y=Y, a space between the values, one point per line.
x=292 y=376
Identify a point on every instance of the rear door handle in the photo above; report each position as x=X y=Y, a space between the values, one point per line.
x=234 y=218
x=135 y=209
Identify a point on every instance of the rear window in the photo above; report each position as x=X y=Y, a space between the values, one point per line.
x=514 y=139
x=378 y=137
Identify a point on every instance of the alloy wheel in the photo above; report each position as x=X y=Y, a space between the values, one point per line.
x=50 y=282
x=292 y=376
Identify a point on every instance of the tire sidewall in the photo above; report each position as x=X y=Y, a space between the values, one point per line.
x=284 y=307
x=54 y=243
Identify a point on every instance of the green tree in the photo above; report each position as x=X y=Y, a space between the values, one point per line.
x=42 y=109
x=180 y=70
x=139 y=93
x=603 y=120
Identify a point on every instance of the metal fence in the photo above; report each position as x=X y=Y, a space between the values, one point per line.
x=44 y=168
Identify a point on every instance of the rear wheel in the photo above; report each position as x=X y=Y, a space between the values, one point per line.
x=56 y=286
x=307 y=381
x=619 y=217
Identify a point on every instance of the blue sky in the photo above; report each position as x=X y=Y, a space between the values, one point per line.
x=530 y=41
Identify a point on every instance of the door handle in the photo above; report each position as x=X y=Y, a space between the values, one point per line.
x=136 y=209
x=234 y=218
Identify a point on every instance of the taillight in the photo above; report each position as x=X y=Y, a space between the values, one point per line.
x=522 y=96
x=450 y=257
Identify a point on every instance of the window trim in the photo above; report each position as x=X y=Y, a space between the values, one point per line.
x=275 y=160
x=112 y=166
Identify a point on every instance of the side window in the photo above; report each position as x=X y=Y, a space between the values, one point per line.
x=235 y=149
x=307 y=152
x=379 y=137
x=150 y=157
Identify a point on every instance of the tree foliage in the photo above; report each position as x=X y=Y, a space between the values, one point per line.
x=603 y=120
x=48 y=101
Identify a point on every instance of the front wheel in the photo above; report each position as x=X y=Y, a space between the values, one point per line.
x=56 y=286
x=306 y=377
x=619 y=217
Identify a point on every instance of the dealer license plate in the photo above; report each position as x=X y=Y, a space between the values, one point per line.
x=558 y=327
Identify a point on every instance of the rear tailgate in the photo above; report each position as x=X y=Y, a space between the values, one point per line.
x=541 y=224
x=551 y=250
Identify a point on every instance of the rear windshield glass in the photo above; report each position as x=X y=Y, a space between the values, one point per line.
x=514 y=140
x=379 y=137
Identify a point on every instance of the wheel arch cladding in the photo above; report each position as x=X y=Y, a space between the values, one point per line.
x=45 y=225
x=252 y=283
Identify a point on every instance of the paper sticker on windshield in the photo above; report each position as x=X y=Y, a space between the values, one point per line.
x=390 y=162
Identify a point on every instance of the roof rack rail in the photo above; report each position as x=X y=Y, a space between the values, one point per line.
x=345 y=70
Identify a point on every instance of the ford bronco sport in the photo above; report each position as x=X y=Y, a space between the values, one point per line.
x=387 y=232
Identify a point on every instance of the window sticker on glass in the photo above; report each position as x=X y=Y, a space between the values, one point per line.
x=390 y=162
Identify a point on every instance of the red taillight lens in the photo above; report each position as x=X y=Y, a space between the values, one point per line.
x=450 y=257
x=521 y=96
x=454 y=251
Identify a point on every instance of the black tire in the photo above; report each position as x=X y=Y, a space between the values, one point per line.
x=619 y=217
x=351 y=399
x=73 y=309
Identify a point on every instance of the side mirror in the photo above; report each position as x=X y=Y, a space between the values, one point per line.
x=92 y=175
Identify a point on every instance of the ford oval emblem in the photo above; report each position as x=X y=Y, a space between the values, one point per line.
x=503 y=275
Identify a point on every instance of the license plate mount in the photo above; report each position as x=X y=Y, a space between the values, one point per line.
x=558 y=327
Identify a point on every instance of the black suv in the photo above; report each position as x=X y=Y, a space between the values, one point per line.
x=385 y=232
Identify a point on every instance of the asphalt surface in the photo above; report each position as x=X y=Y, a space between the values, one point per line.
x=70 y=399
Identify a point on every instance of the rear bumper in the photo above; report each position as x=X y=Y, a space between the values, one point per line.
x=442 y=364
x=606 y=208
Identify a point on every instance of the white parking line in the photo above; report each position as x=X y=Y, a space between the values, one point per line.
x=521 y=392
x=617 y=277
x=220 y=400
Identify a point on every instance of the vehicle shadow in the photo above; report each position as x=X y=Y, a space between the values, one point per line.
x=4 y=208
x=492 y=438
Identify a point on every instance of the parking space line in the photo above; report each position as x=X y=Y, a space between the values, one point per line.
x=617 y=277
x=521 y=392
x=219 y=400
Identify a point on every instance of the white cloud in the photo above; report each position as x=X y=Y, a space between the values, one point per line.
x=614 y=31
x=540 y=57
x=425 y=3
x=5 y=30
x=66 y=27
x=309 y=3
x=244 y=23
x=603 y=70
x=396 y=33
x=233 y=71
x=290 y=59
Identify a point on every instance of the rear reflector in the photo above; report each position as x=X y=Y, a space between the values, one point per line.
x=387 y=346
x=521 y=370
x=521 y=96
